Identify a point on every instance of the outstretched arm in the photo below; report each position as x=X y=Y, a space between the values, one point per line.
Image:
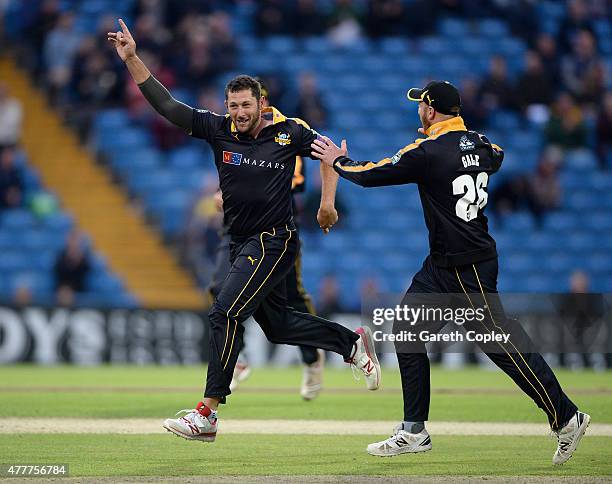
x=158 y=96
x=408 y=165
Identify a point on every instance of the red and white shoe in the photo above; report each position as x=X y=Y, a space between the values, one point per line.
x=242 y=371
x=364 y=358
x=200 y=423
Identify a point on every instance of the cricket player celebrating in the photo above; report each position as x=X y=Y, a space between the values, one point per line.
x=451 y=167
x=255 y=152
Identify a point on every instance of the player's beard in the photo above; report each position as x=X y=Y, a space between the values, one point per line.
x=424 y=122
x=254 y=122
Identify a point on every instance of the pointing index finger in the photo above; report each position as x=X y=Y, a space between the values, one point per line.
x=124 y=27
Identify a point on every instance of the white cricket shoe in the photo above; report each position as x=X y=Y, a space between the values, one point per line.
x=364 y=358
x=242 y=371
x=569 y=437
x=401 y=442
x=312 y=381
x=200 y=423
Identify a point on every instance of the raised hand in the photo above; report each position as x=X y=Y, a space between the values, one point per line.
x=123 y=41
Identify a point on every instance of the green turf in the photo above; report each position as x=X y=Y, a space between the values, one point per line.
x=166 y=455
x=153 y=399
x=193 y=376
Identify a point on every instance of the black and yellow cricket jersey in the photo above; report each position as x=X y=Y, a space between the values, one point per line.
x=452 y=168
x=256 y=175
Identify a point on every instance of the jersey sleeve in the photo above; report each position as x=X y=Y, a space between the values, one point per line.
x=497 y=154
x=305 y=137
x=408 y=165
x=205 y=124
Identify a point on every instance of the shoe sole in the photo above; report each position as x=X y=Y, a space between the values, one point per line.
x=400 y=452
x=583 y=429
x=201 y=438
x=368 y=341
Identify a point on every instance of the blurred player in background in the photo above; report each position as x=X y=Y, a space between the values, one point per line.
x=451 y=167
x=255 y=152
x=297 y=297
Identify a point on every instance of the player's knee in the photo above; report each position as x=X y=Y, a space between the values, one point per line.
x=217 y=314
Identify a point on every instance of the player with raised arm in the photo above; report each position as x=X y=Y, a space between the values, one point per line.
x=451 y=167
x=255 y=150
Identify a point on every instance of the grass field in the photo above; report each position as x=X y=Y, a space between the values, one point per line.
x=158 y=392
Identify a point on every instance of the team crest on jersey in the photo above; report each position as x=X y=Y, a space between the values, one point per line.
x=283 y=139
x=232 y=158
x=465 y=144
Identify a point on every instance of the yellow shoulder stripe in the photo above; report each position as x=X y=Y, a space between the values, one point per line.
x=496 y=147
x=385 y=161
x=301 y=121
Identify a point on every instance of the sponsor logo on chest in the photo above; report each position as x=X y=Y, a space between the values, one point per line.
x=232 y=158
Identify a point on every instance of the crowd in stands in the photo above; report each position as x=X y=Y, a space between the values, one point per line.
x=561 y=88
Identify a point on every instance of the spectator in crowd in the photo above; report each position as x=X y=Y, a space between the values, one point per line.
x=60 y=47
x=386 y=18
x=22 y=295
x=545 y=187
x=582 y=64
x=11 y=181
x=307 y=19
x=272 y=18
x=11 y=116
x=473 y=110
x=582 y=313
x=329 y=297
x=137 y=105
x=604 y=132
x=310 y=105
x=566 y=127
x=71 y=269
x=496 y=90
x=546 y=47
x=201 y=233
x=223 y=44
x=533 y=87
x=577 y=19
x=511 y=195
x=344 y=23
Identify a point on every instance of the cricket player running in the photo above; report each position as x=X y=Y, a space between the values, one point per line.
x=255 y=151
x=451 y=167
x=313 y=359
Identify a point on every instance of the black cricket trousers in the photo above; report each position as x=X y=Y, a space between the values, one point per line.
x=297 y=297
x=256 y=286
x=477 y=285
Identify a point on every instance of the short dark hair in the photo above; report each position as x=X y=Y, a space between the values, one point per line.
x=240 y=83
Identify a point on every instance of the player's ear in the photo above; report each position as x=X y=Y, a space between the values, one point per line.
x=226 y=106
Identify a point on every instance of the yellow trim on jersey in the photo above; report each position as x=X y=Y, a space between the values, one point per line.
x=301 y=122
x=496 y=147
x=438 y=129
x=385 y=161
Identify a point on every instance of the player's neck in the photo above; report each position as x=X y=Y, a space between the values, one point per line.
x=261 y=125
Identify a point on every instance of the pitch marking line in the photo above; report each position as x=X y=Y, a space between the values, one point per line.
x=286 y=427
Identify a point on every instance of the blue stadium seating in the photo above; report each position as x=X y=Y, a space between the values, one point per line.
x=30 y=245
